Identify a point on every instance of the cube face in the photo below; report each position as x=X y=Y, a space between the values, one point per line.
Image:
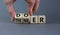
x=41 y=19
x=18 y=18
x=25 y=21
x=33 y=19
x=26 y=18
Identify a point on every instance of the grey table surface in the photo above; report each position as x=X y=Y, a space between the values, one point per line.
x=29 y=29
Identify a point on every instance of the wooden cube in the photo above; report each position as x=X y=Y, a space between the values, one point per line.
x=18 y=18
x=26 y=18
x=33 y=19
x=41 y=19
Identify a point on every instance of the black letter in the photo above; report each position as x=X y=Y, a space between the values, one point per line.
x=41 y=19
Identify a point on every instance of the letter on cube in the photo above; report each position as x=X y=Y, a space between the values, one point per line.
x=41 y=19
x=33 y=19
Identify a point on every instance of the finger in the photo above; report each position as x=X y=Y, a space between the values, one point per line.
x=35 y=8
x=30 y=6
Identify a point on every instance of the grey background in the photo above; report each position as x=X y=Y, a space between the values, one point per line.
x=50 y=8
